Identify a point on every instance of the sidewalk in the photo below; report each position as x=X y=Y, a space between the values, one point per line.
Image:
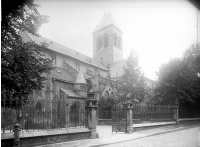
x=107 y=137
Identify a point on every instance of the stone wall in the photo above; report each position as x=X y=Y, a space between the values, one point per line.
x=28 y=139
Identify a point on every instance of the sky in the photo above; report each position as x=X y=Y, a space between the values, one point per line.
x=156 y=29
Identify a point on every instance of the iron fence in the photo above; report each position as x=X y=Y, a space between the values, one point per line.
x=119 y=113
x=105 y=113
x=35 y=115
x=149 y=113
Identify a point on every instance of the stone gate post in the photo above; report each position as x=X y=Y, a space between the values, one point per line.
x=91 y=105
x=129 y=118
x=176 y=113
x=16 y=131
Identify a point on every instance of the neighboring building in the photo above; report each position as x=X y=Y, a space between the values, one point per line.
x=75 y=74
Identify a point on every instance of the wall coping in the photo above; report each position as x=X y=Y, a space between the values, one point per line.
x=185 y=119
x=122 y=119
x=153 y=124
x=39 y=133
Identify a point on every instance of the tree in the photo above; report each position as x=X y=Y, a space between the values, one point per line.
x=132 y=83
x=178 y=80
x=105 y=107
x=22 y=64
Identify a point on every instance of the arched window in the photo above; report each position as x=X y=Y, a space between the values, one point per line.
x=77 y=66
x=74 y=114
x=106 y=40
x=112 y=94
x=115 y=39
x=106 y=94
x=39 y=105
x=99 y=42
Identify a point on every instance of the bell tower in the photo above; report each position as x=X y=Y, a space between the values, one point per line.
x=107 y=41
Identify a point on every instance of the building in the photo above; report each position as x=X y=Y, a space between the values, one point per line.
x=75 y=74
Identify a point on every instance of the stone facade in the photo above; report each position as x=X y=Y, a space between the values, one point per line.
x=107 y=41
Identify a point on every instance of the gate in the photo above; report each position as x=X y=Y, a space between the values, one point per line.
x=119 y=118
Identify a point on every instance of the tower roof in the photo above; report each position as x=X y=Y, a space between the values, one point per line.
x=106 y=20
x=80 y=78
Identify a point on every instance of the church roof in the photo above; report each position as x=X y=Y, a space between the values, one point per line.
x=106 y=21
x=62 y=74
x=70 y=93
x=80 y=78
x=54 y=46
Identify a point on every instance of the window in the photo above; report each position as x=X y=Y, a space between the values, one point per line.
x=112 y=94
x=39 y=105
x=106 y=95
x=77 y=66
x=83 y=87
x=119 y=42
x=115 y=39
x=90 y=72
x=74 y=114
x=53 y=58
x=106 y=40
x=99 y=43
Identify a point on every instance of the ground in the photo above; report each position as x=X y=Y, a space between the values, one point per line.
x=186 y=134
x=182 y=138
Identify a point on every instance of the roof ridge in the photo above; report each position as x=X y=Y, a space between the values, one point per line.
x=106 y=21
x=57 y=47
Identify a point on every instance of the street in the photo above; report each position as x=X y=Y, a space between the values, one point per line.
x=183 y=138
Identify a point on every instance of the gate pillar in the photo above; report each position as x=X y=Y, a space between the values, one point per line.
x=176 y=113
x=129 y=118
x=91 y=106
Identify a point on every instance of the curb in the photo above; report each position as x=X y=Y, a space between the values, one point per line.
x=163 y=132
x=178 y=129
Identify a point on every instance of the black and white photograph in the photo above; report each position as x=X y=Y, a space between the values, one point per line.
x=91 y=73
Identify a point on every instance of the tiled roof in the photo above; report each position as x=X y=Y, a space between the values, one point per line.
x=70 y=93
x=62 y=74
x=54 y=46
x=80 y=78
x=107 y=20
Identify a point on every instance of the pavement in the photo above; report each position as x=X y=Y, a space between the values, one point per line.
x=106 y=137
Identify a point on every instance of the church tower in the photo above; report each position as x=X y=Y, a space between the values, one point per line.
x=107 y=41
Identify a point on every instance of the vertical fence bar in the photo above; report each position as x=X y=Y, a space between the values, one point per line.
x=30 y=118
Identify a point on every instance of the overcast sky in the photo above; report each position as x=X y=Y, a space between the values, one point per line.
x=157 y=29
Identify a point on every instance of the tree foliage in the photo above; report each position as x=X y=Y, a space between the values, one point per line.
x=22 y=64
x=132 y=83
x=178 y=79
x=106 y=103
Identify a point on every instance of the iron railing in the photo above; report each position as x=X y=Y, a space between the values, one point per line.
x=140 y=112
x=150 y=113
x=35 y=115
x=119 y=113
x=105 y=113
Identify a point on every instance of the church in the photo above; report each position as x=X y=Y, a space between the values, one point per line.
x=75 y=74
